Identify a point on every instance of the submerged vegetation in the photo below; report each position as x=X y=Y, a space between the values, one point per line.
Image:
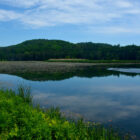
x=19 y=119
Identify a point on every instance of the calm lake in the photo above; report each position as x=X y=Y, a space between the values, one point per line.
x=106 y=95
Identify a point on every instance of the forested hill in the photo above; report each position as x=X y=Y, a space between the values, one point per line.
x=42 y=49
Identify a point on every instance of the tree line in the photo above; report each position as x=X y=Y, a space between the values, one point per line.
x=42 y=49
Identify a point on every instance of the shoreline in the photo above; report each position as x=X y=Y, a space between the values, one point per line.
x=50 y=67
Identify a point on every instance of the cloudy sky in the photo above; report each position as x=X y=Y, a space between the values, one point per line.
x=108 y=21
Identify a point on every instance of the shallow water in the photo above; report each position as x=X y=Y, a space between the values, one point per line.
x=128 y=70
x=108 y=98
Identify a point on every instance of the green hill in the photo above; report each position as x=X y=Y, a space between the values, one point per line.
x=42 y=49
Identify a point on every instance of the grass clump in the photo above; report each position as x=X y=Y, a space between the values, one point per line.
x=19 y=120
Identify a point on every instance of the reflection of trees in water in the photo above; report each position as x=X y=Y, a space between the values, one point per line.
x=88 y=72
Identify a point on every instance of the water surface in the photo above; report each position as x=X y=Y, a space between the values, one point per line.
x=99 y=95
x=128 y=70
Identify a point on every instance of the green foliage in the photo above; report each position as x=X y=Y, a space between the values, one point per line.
x=19 y=120
x=42 y=49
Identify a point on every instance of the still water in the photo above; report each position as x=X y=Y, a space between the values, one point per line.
x=106 y=96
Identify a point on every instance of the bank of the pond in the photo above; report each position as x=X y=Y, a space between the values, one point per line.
x=20 y=120
x=95 y=61
x=13 y=67
x=39 y=66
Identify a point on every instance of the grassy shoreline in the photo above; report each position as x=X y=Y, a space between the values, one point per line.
x=93 y=61
x=39 y=66
x=20 y=120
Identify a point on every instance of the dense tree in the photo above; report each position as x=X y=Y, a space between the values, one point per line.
x=42 y=49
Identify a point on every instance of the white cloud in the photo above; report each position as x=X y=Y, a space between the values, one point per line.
x=124 y=4
x=114 y=30
x=41 y=13
x=6 y=15
x=20 y=3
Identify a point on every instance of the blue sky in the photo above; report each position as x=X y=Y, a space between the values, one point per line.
x=107 y=21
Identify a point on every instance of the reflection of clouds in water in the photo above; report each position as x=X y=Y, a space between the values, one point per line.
x=42 y=97
x=114 y=89
x=10 y=81
x=107 y=101
x=99 y=109
x=6 y=84
x=124 y=89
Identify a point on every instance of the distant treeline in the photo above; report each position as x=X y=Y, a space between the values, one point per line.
x=42 y=49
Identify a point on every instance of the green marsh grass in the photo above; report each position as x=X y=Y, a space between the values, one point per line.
x=92 y=61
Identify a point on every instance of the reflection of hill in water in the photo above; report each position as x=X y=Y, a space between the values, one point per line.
x=87 y=72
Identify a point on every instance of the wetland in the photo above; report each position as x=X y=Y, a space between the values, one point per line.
x=96 y=92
